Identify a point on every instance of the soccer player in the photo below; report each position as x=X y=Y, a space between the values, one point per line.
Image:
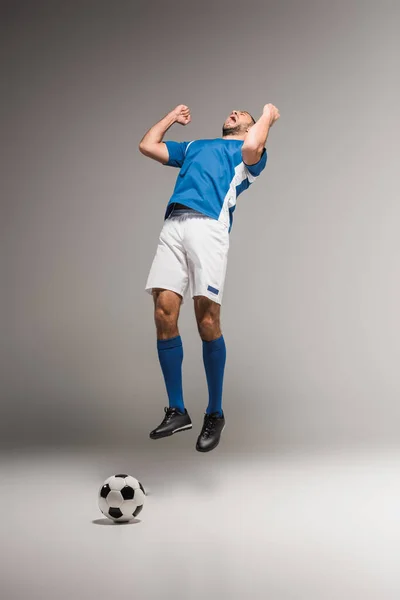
x=193 y=250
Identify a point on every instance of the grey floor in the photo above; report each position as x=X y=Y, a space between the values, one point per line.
x=280 y=526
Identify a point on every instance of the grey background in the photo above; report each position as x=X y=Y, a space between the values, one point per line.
x=285 y=508
x=310 y=313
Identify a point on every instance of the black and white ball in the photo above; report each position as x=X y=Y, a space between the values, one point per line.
x=121 y=498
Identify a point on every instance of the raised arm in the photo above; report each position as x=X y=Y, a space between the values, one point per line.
x=151 y=144
x=256 y=138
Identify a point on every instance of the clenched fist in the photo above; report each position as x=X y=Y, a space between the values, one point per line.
x=272 y=112
x=182 y=114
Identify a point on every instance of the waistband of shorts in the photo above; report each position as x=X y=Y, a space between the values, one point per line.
x=185 y=210
x=187 y=215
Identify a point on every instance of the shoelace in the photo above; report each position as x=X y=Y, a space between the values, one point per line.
x=209 y=425
x=169 y=413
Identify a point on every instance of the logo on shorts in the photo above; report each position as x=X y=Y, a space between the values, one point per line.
x=213 y=289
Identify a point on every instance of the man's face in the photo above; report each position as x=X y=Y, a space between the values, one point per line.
x=238 y=122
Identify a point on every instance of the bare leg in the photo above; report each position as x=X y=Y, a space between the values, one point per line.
x=208 y=318
x=167 y=305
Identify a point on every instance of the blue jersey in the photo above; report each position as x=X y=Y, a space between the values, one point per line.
x=212 y=175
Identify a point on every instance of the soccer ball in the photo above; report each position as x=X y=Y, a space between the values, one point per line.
x=121 y=498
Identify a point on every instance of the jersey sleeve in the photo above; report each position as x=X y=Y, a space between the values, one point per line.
x=177 y=152
x=254 y=171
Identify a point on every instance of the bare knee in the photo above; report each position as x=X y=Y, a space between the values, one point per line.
x=208 y=318
x=164 y=317
x=209 y=328
x=166 y=313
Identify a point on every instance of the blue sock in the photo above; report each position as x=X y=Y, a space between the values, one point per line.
x=214 y=357
x=170 y=354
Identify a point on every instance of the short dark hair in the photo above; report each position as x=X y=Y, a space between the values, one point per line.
x=252 y=118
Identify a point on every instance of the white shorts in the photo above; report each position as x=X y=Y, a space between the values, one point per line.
x=192 y=252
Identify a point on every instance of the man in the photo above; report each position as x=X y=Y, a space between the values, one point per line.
x=193 y=250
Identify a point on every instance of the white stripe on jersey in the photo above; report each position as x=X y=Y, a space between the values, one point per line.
x=241 y=173
x=186 y=149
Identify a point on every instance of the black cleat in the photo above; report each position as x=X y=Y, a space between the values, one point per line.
x=173 y=422
x=210 y=434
